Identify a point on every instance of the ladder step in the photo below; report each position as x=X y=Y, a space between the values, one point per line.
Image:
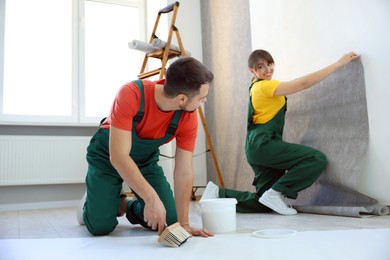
x=149 y=73
x=159 y=54
x=156 y=54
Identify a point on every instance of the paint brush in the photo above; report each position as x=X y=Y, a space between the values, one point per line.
x=173 y=235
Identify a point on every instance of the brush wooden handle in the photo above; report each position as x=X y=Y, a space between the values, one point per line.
x=167 y=230
x=174 y=235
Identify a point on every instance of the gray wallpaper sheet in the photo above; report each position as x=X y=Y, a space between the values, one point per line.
x=332 y=117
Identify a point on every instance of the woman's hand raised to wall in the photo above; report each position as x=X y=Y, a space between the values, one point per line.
x=346 y=58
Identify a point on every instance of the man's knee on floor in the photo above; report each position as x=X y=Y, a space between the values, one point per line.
x=100 y=227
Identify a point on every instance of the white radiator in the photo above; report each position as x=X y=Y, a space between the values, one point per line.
x=26 y=160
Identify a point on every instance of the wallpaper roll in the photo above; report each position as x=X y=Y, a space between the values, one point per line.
x=160 y=44
x=332 y=117
x=346 y=211
x=142 y=46
x=329 y=198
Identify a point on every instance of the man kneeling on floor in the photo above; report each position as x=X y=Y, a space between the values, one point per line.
x=144 y=116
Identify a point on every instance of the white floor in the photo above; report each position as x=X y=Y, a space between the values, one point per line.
x=41 y=233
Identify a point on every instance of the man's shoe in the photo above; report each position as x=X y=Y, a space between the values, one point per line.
x=133 y=218
x=211 y=191
x=123 y=206
x=80 y=210
x=276 y=203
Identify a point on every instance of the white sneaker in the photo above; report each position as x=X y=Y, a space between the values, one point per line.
x=80 y=210
x=211 y=191
x=276 y=203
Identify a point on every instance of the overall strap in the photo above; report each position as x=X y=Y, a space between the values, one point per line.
x=171 y=130
x=250 y=106
x=174 y=123
x=140 y=114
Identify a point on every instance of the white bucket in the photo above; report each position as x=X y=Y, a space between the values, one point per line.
x=219 y=215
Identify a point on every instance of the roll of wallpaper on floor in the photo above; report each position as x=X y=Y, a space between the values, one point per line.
x=158 y=43
x=219 y=215
x=142 y=46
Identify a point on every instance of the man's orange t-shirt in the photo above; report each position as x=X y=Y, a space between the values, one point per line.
x=155 y=122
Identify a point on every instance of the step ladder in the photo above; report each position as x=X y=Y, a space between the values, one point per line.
x=164 y=55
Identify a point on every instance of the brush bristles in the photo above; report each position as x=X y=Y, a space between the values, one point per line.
x=174 y=235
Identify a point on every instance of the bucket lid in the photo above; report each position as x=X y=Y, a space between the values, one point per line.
x=217 y=202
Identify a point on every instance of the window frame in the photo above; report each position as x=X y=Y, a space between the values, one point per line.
x=78 y=116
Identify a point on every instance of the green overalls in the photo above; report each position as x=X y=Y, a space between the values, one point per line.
x=104 y=184
x=284 y=167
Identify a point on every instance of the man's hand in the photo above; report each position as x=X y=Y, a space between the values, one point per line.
x=197 y=232
x=155 y=214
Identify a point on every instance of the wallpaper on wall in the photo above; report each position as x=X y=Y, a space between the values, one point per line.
x=332 y=117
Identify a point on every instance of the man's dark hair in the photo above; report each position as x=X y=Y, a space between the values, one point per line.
x=185 y=76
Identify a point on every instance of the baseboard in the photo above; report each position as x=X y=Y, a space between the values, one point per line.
x=39 y=205
x=53 y=204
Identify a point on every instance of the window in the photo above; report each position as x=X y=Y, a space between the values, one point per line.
x=64 y=60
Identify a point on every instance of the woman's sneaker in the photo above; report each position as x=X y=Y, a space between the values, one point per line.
x=276 y=203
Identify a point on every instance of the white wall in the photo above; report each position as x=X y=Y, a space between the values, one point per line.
x=305 y=35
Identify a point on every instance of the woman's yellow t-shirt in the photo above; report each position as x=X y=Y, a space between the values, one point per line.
x=265 y=105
